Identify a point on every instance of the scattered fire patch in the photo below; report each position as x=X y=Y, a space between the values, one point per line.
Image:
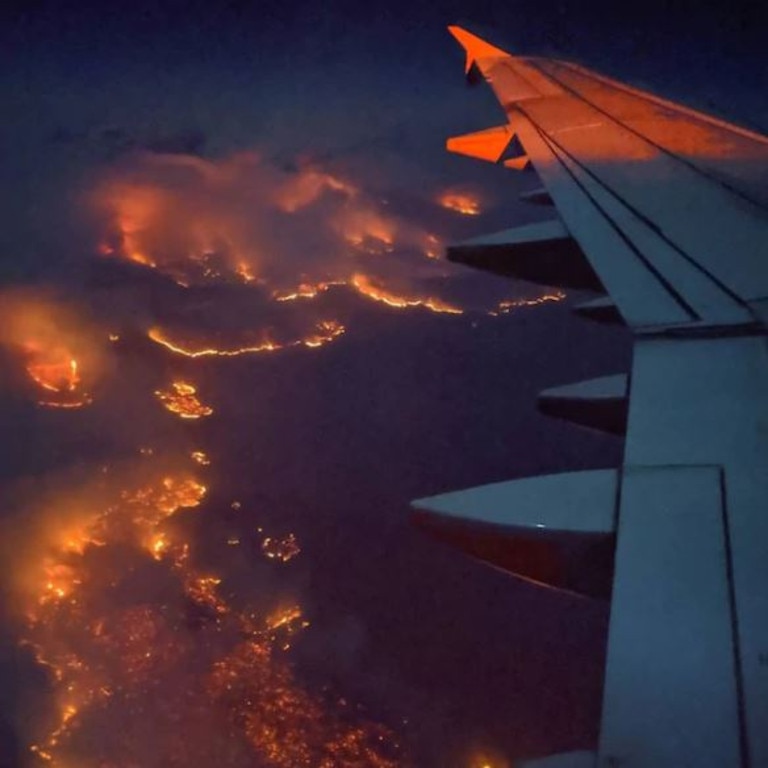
x=181 y=398
x=282 y=550
x=151 y=663
x=464 y=203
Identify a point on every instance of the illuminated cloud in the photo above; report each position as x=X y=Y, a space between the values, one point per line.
x=244 y=219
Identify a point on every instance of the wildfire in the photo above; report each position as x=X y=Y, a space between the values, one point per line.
x=485 y=760
x=213 y=681
x=53 y=346
x=303 y=188
x=283 y=550
x=324 y=333
x=367 y=288
x=201 y=457
x=181 y=398
x=367 y=229
x=508 y=305
x=461 y=202
x=55 y=371
x=138 y=208
x=245 y=272
x=305 y=290
x=432 y=247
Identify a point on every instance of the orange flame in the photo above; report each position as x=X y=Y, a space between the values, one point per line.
x=102 y=654
x=508 y=305
x=324 y=333
x=283 y=550
x=52 y=344
x=181 y=398
x=366 y=287
x=461 y=202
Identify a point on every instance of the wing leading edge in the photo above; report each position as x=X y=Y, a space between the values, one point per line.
x=666 y=209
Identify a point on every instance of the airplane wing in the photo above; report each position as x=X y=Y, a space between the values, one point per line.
x=664 y=210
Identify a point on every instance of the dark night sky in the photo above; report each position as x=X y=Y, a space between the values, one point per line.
x=406 y=404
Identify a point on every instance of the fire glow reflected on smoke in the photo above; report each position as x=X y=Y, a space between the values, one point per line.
x=242 y=219
x=368 y=288
x=154 y=659
x=56 y=350
x=509 y=305
x=464 y=203
x=149 y=662
x=324 y=333
x=292 y=235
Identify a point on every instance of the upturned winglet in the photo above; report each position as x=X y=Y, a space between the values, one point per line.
x=475 y=47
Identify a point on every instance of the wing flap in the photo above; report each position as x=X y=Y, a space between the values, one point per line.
x=600 y=403
x=554 y=530
x=670 y=696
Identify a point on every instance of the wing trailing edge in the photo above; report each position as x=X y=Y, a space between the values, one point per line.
x=668 y=208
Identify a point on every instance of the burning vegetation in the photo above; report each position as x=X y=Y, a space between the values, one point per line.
x=464 y=203
x=242 y=220
x=323 y=333
x=282 y=550
x=152 y=656
x=58 y=352
x=181 y=398
x=368 y=288
x=149 y=661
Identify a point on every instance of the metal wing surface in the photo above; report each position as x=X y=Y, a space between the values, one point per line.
x=665 y=210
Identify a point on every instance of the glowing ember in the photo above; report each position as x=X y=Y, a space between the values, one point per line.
x=367 y=288
x=245 y=272
x=325 y=332
x=303 y=188
x=181 y=398
x=461 y=202
x=432 y=249
x=286 y=617
x=508 y=305
x=56 y=371
x=305 y=291
x=283 y=550
x=168 y=652
x=200 y=457
x=485 y=760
